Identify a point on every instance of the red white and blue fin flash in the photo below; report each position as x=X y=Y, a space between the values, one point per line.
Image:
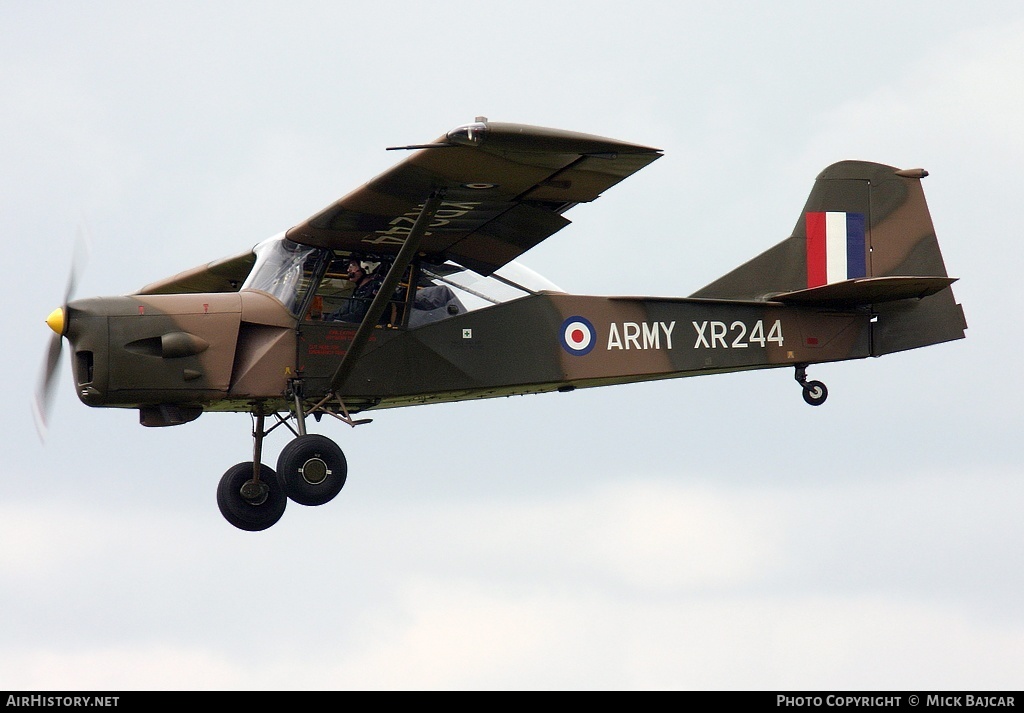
x=835 y=247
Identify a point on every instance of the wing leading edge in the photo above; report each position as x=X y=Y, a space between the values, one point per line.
x=505 y=189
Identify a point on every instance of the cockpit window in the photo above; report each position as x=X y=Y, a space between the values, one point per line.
x=325 y=285
x=448 y=289
x=286 y=270
x=511 y=282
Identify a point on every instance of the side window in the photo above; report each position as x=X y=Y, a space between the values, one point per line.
x=348 y=288
x=333 y=292
x=434 y=302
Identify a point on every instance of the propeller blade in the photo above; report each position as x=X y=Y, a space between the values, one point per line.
x=79 y=258
x=47 y=382
x=46 y=390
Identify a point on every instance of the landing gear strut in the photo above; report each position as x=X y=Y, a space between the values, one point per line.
x=250 y=495
x=311 y=469
x=814 y=392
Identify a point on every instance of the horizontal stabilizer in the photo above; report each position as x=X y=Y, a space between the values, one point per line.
x=866 y=290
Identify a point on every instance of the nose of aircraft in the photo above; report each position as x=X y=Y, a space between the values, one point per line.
x=47 y=382
x=58 y=322
x=55 y=321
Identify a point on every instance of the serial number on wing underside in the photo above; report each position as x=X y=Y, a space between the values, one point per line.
x=401 y=227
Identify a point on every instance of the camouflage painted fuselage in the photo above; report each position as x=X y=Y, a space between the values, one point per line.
x=226 y=352
x=174 y=356
x=553 y=342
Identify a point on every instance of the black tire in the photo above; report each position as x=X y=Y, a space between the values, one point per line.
x=815 y=393
x=313 y=469
x=253 y=513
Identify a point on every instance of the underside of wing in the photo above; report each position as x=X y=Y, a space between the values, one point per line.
x=505 y=188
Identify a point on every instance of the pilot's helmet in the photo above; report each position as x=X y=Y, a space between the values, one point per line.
x=367 y=266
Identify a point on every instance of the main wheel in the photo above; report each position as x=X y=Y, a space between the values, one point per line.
x=249 y=505
x=815 y=393
x=313 y=469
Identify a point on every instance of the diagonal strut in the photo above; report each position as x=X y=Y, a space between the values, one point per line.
x=380 y=301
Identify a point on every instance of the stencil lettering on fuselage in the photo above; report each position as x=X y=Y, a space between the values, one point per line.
x=712 y=334
x=640 y=335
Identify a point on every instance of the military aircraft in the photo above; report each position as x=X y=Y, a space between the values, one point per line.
x=407 y=291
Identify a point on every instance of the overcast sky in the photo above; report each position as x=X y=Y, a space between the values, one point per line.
x=701 y=533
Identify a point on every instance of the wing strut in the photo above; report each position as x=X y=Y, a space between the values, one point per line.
x=387 y=288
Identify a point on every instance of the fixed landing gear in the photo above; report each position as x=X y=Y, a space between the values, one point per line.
x=250 y=495
x=814 y=392
x=251 y=503
x=311 y=470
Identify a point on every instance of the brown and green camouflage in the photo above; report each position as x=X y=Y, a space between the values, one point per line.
x=860 y=275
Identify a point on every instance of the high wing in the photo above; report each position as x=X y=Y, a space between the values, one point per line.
x=505 y=187
x=225 y=275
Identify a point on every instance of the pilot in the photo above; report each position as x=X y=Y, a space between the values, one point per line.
x=363 y=275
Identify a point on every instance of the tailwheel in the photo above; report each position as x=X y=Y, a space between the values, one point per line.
x=313 y=469
x=814 y=392
x=248 y=503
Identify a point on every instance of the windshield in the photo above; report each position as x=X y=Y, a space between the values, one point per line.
x=285 y=270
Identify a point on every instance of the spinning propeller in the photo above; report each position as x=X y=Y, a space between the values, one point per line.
x=58 y=322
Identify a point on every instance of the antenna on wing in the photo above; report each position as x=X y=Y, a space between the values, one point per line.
x=467 y=135
x=420 y=146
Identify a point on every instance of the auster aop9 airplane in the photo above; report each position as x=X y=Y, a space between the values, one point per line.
x=406 y=291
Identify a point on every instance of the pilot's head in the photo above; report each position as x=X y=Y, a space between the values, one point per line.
x=356 y=273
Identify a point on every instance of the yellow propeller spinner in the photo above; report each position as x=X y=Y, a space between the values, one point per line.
x=56 y=320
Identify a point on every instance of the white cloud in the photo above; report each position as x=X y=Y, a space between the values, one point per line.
x=121 y=668
x=451 y=634
x=641 y=584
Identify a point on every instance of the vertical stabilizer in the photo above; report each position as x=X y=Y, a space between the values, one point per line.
x=863 y=240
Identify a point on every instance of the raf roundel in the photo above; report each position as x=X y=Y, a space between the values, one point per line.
x=577 y=336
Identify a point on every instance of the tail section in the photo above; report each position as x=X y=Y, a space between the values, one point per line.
x=865 y=239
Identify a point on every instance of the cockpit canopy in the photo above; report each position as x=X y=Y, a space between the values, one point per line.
x=313 y=283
